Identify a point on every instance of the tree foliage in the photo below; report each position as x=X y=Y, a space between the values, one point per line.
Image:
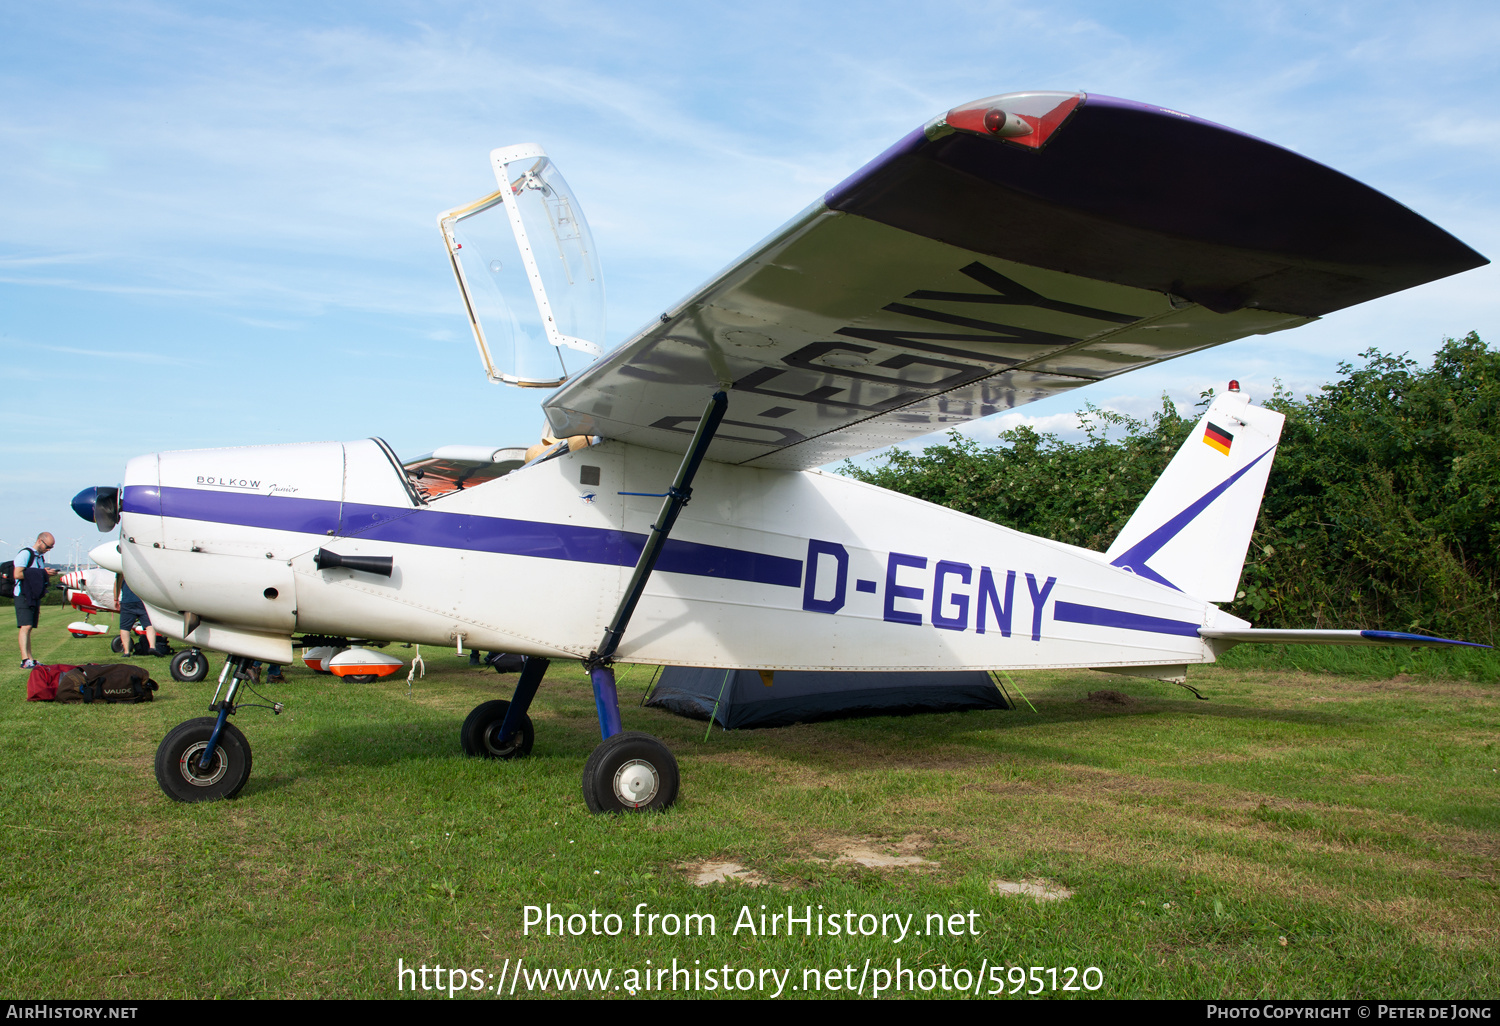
x=1381 y=510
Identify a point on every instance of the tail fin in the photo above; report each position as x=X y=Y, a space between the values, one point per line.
x=1193 y=529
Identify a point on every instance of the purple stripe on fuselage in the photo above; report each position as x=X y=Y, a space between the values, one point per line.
x=1098 y=616
x=247 y=509
x=141 y=499
x=462 y=531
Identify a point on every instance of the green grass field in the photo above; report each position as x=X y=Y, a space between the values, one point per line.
x=1302 y=834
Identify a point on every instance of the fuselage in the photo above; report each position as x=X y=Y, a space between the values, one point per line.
x=765 y=569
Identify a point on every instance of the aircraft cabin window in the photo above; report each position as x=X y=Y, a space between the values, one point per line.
x=456 y=468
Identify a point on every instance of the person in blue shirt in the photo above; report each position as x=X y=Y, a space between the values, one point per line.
x=31 y=572
x=132 y=611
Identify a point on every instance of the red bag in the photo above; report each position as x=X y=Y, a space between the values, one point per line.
x=41 y=686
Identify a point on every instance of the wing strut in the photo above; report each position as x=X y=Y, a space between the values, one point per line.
x=598 y=663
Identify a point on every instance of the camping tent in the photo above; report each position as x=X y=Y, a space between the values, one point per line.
x=742 y=698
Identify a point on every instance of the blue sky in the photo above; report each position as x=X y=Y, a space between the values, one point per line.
x=217 y=222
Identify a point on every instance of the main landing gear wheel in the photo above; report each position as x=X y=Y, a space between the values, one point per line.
x=177 y=769
x=480 y=734
x=115 y=646
x=189 y=667
x=630 y=772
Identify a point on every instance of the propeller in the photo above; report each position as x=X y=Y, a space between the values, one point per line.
x=99 y=504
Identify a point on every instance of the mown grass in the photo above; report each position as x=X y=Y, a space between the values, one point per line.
x=1299 y=835
x=1375 y=662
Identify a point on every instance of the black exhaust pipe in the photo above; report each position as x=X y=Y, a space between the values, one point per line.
x=381 y=565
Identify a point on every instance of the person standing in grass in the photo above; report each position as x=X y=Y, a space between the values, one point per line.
x=132 y=611
x=31 y=573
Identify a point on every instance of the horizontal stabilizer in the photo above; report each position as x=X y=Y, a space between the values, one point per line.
x=1281 y=637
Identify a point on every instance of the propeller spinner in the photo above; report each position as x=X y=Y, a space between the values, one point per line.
x=100 y=505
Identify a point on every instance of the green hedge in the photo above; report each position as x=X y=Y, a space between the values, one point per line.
x=1380 y=510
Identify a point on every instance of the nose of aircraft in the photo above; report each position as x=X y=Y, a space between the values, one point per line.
x=100 y=505
x=107 y=555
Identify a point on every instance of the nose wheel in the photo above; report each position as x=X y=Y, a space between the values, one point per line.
x=186 y=777
x=206 y=759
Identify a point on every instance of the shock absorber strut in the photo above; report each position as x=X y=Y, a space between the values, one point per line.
x=600 y=660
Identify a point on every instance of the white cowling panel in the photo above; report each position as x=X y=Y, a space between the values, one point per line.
x=271 y=648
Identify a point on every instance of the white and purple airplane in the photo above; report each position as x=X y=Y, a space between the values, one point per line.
x=1008 y=250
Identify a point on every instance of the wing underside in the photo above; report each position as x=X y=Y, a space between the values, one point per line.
x=962 y=274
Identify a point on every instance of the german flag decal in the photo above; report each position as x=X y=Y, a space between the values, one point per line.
x=1216 y=437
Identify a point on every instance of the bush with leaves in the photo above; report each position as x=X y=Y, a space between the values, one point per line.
x=1381 y=509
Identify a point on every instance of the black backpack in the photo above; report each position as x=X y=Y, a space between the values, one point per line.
x=32 y=588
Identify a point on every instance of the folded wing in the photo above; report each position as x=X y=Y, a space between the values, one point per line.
x=1017 y=247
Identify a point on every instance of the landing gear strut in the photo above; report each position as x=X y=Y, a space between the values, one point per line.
x=206 y=759
x=631 y=771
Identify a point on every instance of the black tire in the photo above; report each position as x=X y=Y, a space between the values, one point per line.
x=182 y=783
x=630 y=772
x=362 y=678
x=482 y=727
x=115 y=646
x=189 y=667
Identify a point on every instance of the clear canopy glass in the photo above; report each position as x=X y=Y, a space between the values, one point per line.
x=529 y=274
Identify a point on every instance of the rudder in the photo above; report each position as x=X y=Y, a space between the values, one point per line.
x=1192 y=530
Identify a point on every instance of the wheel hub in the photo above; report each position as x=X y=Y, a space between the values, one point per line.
x=194 y=774
x=636 y=783
x=492 y=741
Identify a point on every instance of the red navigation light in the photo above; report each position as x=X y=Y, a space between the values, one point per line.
x=1027 y=119
x=1234 y=386
x=1005 y=124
